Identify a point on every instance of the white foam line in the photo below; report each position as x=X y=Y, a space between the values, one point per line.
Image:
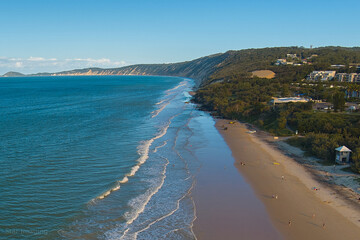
x=183 y=83
x=142 y=208
x=167 y=215
x=168 y=92
x=195 y=217
x=156 y=112
x=134 y=235
x=158 y=103
x=162 y=145
x=128 y=222
x=172 y=231
x=144 y=156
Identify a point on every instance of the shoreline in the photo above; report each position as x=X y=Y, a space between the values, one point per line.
x=321 y=214
x=226 y=205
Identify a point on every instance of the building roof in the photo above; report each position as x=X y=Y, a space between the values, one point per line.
x=289 y=99
x=343 y=149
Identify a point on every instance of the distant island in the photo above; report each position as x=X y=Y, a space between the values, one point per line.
x=13 y=74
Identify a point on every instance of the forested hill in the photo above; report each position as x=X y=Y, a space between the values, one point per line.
x=241 y=63
x=233 y=93
x=232 y=64
x=199 y=69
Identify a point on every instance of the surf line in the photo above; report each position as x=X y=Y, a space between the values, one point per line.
x=144 y=155
x=169 y=213
x=182 y=83
x=157 y=147
x=142 y=208
x=156 y=112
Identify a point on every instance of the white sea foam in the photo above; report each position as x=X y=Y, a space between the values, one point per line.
x=166 y=102
x=143 y=151
x=139 y=203
x=158 y=103
x=108 y=192
x=134 y=235
x=156 y=112
x=183 y=83
x=162 y=145
x=124 y=180
x=142 y=200
x=134 y=169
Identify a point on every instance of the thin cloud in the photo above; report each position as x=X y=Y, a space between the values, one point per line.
x=40 y=64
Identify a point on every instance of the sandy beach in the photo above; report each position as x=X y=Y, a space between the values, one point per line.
x=286 y=189
x=226 y=205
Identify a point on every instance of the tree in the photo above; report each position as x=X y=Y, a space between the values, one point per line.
x=339 y=101
x=356 y=159
x=285 y=90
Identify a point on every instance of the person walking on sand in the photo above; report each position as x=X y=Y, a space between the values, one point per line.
x=323 y=225
x=289 y=223
x=282 y=178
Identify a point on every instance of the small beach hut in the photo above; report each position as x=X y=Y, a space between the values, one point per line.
x=342 y=155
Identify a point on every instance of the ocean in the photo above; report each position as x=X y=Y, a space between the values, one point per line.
x=96 y=157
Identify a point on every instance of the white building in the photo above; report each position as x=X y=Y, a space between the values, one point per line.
x=342 y=155
x=291 y=55
x=352 y=94
x=337 y=66
x=355 y=77
x=351 y=77
x=321 y=75
x=347 y=77
x=340 y=77
x=288 y=100
x=280 y=61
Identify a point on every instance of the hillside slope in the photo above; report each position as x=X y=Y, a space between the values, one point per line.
x=199 y=69
x=230 y=65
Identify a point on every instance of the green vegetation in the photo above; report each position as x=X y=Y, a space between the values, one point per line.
x=241 y=63
x=232 y=93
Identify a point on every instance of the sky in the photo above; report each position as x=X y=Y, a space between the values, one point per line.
x=55 y=35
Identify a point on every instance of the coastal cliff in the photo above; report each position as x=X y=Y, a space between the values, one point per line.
x=199 y=69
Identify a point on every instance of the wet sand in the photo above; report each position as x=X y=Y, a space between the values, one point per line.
x=226 y=205
x=307 y=209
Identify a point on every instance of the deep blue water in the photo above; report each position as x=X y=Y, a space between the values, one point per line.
x=95 y=158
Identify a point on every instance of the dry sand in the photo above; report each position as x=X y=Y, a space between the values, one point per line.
x=264 y=74
x=307 y=209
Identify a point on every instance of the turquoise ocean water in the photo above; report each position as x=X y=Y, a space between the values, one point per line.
x=96 y=157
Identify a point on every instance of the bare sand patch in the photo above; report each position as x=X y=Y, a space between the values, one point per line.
x=264 y=74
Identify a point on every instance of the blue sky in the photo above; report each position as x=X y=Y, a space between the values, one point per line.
x=54 y=35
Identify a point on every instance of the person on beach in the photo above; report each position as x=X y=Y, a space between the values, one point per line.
x=282 y=178
x=323 y=225
x=289 y=223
